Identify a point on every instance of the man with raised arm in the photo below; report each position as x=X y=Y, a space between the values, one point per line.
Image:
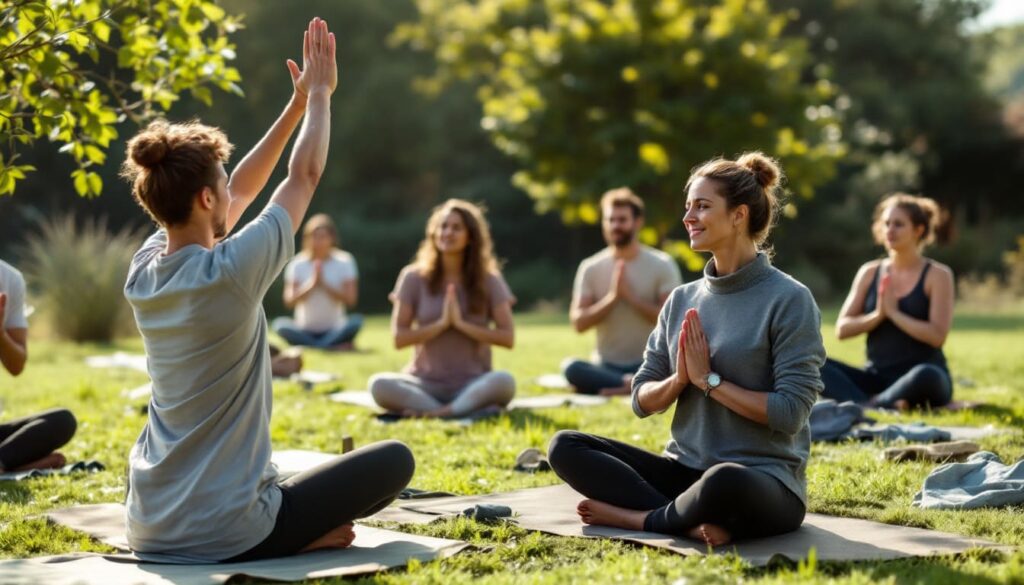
x=201 y=484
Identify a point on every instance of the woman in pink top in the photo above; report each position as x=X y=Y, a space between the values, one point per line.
x=452 y=305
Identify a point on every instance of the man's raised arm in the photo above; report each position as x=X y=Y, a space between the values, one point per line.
x=319 y=78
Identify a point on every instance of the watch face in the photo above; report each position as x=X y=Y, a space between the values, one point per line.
x=714 y=380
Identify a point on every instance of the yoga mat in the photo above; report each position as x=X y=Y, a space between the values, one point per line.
x=554 y=381
x=310 y=378
x=119 y=359
x=972 y=433
x=557 y=400
x=553 y=510
x=292 y=461
x=374 y=550
x=363 y=398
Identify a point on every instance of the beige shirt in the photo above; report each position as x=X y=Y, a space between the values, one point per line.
x=452 y=358
x=651 y=275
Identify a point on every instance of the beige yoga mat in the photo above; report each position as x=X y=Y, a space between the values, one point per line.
x=374 y=550
x=363 y=398
x=553 y=510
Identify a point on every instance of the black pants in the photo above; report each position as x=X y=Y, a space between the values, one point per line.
x=29 y=439
x=355 y=485
x=745 y=502
x=919 y=385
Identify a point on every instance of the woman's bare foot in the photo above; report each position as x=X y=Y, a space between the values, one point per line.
x=624 y=389
x=710 y=534
x=340 y=537
x=604 y=514
x=51 y=461
x=443 y=412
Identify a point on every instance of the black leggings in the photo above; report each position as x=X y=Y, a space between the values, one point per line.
x=745 y=502
x=29 y=439
x=355 y=485
x=920 y=385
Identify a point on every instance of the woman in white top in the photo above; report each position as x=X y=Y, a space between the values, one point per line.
x=320 y=283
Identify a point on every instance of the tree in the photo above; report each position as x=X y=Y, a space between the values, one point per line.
x=71 y=71
x=588 y=95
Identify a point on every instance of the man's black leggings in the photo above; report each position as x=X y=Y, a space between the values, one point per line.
x=745 y=502
x=355 y=485
x=29 y=439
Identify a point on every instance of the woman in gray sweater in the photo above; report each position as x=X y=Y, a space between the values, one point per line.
x=738 y=353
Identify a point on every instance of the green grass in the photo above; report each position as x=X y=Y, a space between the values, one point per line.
x=847 y=479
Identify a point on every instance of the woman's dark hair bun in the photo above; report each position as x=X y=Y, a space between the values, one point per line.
x=766 y=171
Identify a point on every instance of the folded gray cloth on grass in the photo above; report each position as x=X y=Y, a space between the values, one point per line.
x=983 y=481
x=79 y=466
x=916 y=432
x=487 y=512
x=832 y=421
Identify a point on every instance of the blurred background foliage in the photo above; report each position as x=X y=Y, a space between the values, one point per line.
x=534 y=107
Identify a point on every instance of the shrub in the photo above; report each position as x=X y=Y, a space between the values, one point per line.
x=77 y=274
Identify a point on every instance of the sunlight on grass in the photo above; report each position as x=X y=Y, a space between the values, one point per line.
x=845 y=479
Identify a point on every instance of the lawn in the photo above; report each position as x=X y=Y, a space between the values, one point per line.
x=985 y=352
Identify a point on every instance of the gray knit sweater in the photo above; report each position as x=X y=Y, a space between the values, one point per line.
x=764 y=332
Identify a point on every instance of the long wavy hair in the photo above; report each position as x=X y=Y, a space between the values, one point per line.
x=478 y=259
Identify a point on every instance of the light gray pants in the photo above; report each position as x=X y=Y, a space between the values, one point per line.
x=398 y=392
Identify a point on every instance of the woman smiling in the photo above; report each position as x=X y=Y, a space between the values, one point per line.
x=738 y=353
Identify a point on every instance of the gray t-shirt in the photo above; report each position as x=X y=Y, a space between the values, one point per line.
x=764 y=332
x=201 y=485
x=651 y=275
x=452 y=359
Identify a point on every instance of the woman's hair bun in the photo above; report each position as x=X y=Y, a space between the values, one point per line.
x=149 y=149
x=766 y=171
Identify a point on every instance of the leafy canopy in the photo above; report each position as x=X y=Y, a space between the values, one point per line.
x=589 y=95
x=71 y=70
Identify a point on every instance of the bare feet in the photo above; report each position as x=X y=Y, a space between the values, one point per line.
x=51 y=461
x=901 y=405
x=710 y=534
x=340 y=537
x=604 y=514
x=442 y=412
x=626 y=388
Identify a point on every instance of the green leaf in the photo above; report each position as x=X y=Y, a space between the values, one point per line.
x=81 y=182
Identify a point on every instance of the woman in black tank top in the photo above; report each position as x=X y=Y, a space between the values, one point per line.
x=904 y=303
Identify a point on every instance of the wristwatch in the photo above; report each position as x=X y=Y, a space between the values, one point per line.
x=711 y=381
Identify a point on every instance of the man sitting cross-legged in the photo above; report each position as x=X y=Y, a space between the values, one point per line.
x=619 y=291
x=201 y=484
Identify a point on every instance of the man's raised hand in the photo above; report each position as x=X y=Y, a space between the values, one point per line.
x=319 y=65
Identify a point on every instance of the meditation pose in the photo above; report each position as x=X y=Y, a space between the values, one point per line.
x=444 y=306
x=738 y=354
x=620 y=291
x=904 y=303
x=320 y=283
x=29 y=442
x=201 y=486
